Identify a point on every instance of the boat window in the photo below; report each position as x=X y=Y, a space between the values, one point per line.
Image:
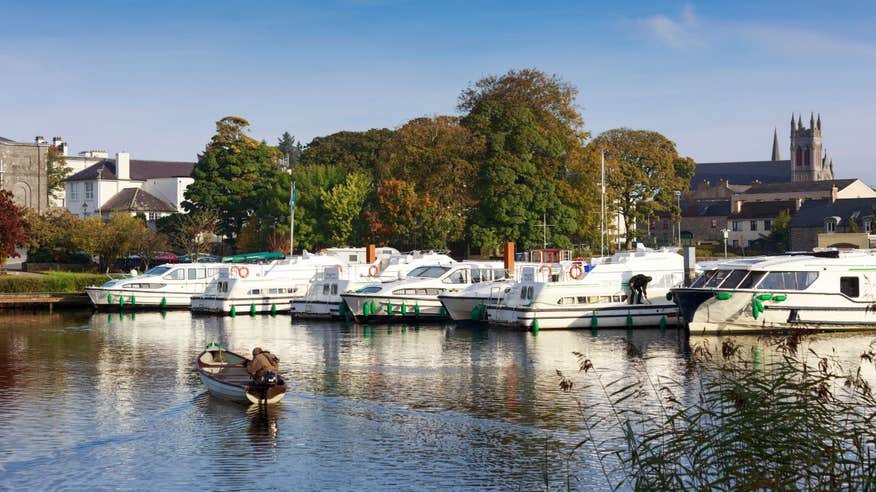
x=751 y=280
x=702 y=279
x=143 y=286
x=499 y=273
x=334 y=289
x=603 y=299
x=734 y=279
x=197 y=273
x=716 y=279
x=325 y=289
x=428 y=271
x=788 y=280
x=273 y=291
x=457 y=277
x=805 y=279
x=566 y=300
x=582 y=299
x=615 y=298
x=849 y=286
x=255 y=292
x=178 y=274
x=478 y=275
x=212 y=272
x=434 y=292
x=157 y=271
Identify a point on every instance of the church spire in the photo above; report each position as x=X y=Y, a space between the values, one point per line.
x=818 y=123
x=776 y=145
x=812 y=121
x=799 y=121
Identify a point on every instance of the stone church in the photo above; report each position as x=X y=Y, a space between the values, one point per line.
x=808 y=162
x=23 y=172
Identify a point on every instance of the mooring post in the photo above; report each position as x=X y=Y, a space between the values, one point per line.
x=690 y=264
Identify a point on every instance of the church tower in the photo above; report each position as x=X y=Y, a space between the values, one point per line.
x=807 y=161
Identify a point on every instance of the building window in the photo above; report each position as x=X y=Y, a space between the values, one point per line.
x=767 y=225
x=830 y=224
x=151 y=215
x=714 y=223
x=735 y=243
x=89 y=191
x=753 y=225
x=737 y=225
x=74 y=192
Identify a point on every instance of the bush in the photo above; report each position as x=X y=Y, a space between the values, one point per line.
x=49 y=282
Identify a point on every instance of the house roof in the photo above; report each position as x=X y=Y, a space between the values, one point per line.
x=6 y=140
x=813 y=212
x=800 y=186
x=764 y=210
x=742 y=173
x=140 y=170
x=136 y=200
x=703 y=208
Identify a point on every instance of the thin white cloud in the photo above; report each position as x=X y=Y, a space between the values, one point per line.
x=681 y=32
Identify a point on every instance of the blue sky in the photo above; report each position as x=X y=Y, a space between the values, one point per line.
x=716 y=77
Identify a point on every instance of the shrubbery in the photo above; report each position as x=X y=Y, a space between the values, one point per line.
x=49 y=282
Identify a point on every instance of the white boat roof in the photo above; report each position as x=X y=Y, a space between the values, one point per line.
x=865 y=258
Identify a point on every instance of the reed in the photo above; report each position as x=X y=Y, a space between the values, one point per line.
x=800 y=420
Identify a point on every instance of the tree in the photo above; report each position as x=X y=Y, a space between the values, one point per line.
x=779 y=230
x=13 y=227
x=289 y=148
x=344 y=204
x=853 y=224
x=50 y=236
x=642 y=172
x=531 y=130
x=438 y=155
x=110 y=240
x=406 y=219
x=238 y=177
x=148 y=244
x=311 y=216
x=56 y=170
x=351 y=150
x=191 y=233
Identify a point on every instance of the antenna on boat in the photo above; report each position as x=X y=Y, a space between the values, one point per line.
x=602 y=209
x=544 y=227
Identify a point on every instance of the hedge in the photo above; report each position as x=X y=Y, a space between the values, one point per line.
x=49 y=282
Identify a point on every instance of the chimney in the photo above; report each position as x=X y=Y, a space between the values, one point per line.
x=39 y=139
x=123 y=165
x=737 y=206
x=60 y=144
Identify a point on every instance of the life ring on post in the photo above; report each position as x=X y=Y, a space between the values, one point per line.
x=549 y=269
x=373 y=270
x=576 y=272
x=243 y=272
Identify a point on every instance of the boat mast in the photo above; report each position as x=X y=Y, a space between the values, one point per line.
x=602 y=210
x=292 y=220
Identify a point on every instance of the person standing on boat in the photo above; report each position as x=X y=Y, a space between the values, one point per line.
x=639 y=288
x=261 y=363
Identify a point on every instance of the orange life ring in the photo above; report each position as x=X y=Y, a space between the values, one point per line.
x=233 y=270
x=243 y=272
x=579 y=259
x=340 y=268
x=550 y=269
x=576 y=272
x=373 y=270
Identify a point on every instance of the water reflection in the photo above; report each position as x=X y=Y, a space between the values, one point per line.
x=368 y=406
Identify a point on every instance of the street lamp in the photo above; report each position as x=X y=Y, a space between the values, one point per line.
x=678 y=200
x=726 y=233
x=84 y=209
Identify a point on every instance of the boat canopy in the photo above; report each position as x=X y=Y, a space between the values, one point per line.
x=253 y=257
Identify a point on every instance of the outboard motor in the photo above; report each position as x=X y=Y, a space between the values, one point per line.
x=268 y=378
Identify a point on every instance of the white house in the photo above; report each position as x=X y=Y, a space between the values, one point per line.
x=153 y=188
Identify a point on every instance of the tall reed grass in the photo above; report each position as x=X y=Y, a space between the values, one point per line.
x=799 y=420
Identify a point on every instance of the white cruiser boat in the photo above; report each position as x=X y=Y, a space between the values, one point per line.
x=595 y=295
x=488 y=286
x=823 y=290
x=323 y=297
x=414 y=298
x=271 y=288
x=163 y=287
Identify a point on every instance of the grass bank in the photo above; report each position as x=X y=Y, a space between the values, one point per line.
x=49 y=282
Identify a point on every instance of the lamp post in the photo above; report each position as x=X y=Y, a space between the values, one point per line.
x=725 y=233
x=678 y=201
x=84 y=209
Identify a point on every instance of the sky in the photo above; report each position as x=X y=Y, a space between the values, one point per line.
x=151 y=78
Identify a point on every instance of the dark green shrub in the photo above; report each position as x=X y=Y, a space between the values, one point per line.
x=49 y=282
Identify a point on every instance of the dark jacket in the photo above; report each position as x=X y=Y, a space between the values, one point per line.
x=264 y=361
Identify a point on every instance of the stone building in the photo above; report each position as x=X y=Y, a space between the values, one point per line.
x=825 y=217
x=23 y=172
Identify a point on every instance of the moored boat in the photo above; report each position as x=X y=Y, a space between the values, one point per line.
x=824 y=290
x=168 y=286
x=224 y=374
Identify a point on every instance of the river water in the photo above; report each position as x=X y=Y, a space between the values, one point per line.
x=110 y=401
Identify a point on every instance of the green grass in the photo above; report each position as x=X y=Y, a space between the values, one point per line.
x=49 y=282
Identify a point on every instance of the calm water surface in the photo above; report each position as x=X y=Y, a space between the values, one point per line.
x=113 y=402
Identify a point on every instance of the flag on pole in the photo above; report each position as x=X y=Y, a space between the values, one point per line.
x=292 y=197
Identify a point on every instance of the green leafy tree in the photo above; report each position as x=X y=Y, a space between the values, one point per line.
x=111 y=239
x=13 y=227
x=344 y=204
x=311 y=216
x=434 y=154
x=289 y=148
x=531 y=129
x=238 y=178
x=56 y=170
x=50 y=236
x=192 y=233
x=642 y=172
x=351 y=150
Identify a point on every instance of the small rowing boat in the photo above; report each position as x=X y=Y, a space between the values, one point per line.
x=224 y=374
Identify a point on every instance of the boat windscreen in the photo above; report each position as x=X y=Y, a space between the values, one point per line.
x=428 y=271
x=733 y=280
x=788 y=280
x=702 y=279
x=157 y=271
x=751 y=280
x=716 y=280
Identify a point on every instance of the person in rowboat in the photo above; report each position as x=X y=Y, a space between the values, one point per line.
x=262 y=362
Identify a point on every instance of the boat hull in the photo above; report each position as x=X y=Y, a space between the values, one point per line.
x=108 y=298
x=463 y=309
x=231 y=382
x=222 y=306
x=606 y=316
x=316 y=309
x=716 y=312
x=396 y=309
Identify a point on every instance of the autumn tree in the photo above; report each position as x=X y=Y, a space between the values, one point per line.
x=531 y=129
x=351 y=150
x=148 y=244
x=344 y=204
x=642 y=172
x=406 y=219
x=50 y=235
x=56 y=170
x=13 y=227
x=237 y=176
x=440 y=157
x=192 y=233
